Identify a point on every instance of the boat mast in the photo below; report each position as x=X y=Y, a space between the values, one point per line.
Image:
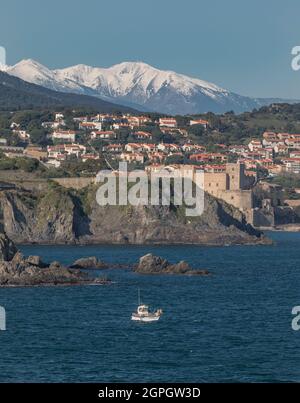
x=139 y=296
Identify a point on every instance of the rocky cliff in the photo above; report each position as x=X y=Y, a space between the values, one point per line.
x=17 y=270
x=64 y=216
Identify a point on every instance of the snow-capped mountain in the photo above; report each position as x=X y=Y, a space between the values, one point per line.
x=18 y=94
x=137 y=84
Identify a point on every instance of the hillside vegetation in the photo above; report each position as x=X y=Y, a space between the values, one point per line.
x=16 y=94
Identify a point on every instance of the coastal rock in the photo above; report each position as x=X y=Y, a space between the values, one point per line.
x=16 y=270
x=18 y=258
x=7 y=248
x=35 y=261
x=91 y=262
x=21 y=273
x=150 y=264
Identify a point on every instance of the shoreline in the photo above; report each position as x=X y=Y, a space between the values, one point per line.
x=281 y=228
x=56 y=285
x=260 y=241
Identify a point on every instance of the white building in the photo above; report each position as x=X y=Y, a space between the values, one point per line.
x=66 y=135
x=60 y=152
x=168 y=122
x=52 y=125
x=134 y=148
x=254 y=145
x=132 y=157
x=59 y=116
x=166 y=147
x=90 y=126
x=108 y=135
x=201 y=122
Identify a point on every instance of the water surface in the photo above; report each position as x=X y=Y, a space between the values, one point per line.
x=232 y=326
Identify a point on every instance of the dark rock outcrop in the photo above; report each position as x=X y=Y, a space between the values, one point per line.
x=7 y=248
x=17 y=270
x=89 y=263
x=150 y=264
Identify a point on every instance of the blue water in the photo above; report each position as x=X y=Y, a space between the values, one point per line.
x=232 y=326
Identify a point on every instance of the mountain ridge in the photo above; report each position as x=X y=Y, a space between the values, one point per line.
x=140 y=85
x=16 y=93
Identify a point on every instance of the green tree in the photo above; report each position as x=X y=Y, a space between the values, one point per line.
x=39 y=136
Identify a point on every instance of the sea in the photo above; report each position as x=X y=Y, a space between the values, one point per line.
x=232 y=326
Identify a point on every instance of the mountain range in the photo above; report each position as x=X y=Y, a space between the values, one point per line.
x=18 y=94
x=139 y=85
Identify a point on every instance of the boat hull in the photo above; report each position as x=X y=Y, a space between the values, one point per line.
x=145 y=318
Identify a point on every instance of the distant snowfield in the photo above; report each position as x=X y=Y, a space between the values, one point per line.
x=137 y=84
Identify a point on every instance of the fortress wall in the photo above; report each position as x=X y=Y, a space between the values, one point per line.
x=74 y=183
x=242 y=199
x=214 y=182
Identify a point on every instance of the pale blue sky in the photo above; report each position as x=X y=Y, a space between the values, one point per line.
x=241 y=45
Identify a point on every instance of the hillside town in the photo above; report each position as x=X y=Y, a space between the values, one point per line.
x=96 y=141
x=101 y=135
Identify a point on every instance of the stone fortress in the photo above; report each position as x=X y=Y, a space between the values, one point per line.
x=230 y=182
x=232 y=185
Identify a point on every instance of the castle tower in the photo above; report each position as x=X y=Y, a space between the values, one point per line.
x=236 y=176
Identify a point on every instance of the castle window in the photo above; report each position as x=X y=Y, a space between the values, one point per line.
x=232 y=197
x=232 y=177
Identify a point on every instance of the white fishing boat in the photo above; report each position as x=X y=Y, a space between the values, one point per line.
x=144 y=315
